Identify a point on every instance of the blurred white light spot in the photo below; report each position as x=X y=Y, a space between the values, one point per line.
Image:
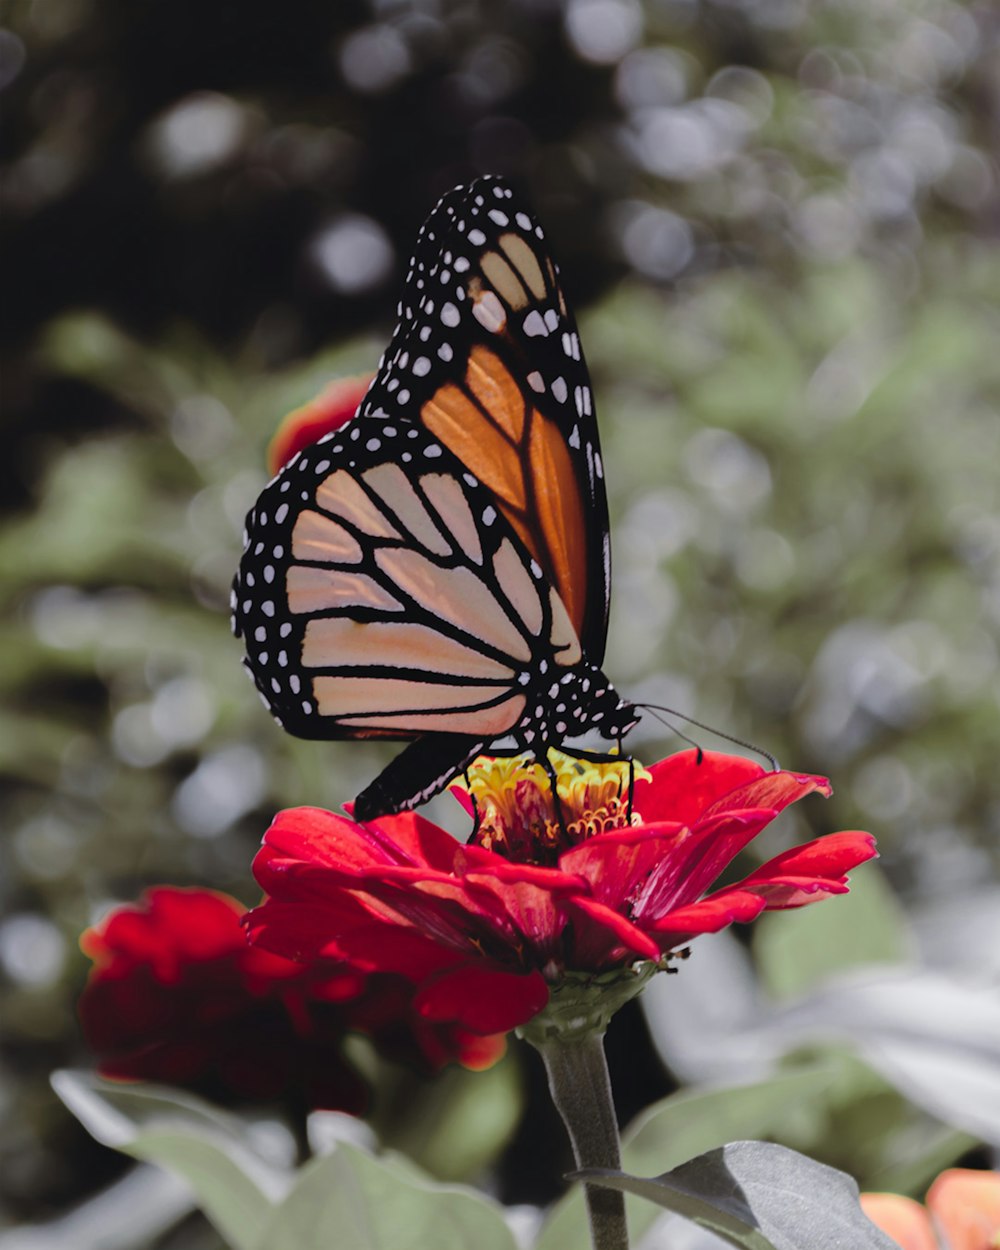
x=748 y=89
x=926 y=54
x=883 y=786
x=968 y=181
x=656 y=527
x=925 y=138
x=134 y=739
x=223 y=786
x=655 y=241
x=202 y=427
x=353 y=253
x=12 y=57
x=197 y=134
x=674 y=143
x=47 y=848
x=32 y=950
x=182 y=711
x=640 y=628
x=652 y=76
x=765 y=559
x=492 y=71
x=861 y=677
x=776 y=14
x=374 y=59
x=64 y=617
x=828 y=226
x=733 y=473
x=687 y=141
x=603 y=31
x=846 y=376
x=884 y=183
x=239 y=495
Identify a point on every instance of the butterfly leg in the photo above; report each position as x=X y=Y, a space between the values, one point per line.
x=422 y=770
x=546 y=763
x=476 y=816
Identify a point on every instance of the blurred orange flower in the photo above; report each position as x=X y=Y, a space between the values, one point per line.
x=962 y=1213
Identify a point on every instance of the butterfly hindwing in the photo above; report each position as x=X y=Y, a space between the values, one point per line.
x=383 y=594
x=487 y=357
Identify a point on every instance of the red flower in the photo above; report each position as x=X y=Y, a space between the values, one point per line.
x=333 y=407
x=485 y=930
x=176 y=994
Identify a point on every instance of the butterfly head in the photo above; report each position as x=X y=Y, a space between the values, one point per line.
x=566 y=705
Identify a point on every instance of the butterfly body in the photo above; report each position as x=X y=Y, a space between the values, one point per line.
x=437 y=570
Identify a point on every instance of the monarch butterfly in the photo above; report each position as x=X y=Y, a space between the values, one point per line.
x=438 y=569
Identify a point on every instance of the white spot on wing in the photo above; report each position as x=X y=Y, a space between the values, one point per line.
x=489 y=312
x=534 y=326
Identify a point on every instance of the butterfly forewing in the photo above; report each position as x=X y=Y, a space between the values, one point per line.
x=487 y=357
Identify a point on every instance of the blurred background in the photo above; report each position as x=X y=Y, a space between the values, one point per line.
x=778 y=222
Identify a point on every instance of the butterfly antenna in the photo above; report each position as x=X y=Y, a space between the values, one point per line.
x=740 y=742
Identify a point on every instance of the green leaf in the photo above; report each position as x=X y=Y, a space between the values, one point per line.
x=235 y=1185
x=689 y=1123
x=794 y=952
x=349 y=1200
x=759 y=1196
x=455 y=1125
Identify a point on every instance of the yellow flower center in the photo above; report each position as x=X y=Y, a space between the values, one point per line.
x=517 y=815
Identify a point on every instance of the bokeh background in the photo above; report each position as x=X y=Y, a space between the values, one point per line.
x=778 y=221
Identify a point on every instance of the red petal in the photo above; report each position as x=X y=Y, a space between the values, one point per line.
x=317 y=836
x=616 y=864
x=309 y=933
x=686 y=790
x=601 y=936
x=522 y=913
x=783 y=893
x=682 y=789
x=331 y=409
x=709 y=916
x=827 y=858
x=773 y=790
x=484 y=1000
x=697 y=861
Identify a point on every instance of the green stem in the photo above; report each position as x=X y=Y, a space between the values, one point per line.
x=581 y=1090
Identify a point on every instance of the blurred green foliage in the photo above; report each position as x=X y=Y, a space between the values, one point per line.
x=781 y=219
